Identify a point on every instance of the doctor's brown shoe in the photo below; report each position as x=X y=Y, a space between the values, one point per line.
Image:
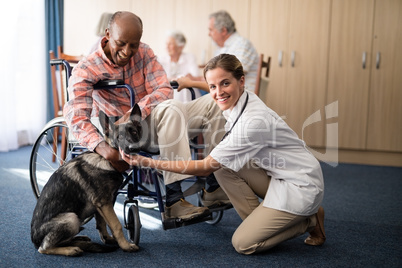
x=317 y=236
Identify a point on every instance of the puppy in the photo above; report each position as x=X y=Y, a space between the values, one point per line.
x=81 y=188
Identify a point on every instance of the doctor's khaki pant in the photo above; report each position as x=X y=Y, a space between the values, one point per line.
x=262 y=228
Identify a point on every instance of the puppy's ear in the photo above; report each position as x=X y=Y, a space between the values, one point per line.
x=135 y=113
x=114 y=119
x=104 y=122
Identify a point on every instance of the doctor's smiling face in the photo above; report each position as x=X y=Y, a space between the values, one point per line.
x=225 y=77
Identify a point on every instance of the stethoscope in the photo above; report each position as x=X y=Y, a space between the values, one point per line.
x=241 y=112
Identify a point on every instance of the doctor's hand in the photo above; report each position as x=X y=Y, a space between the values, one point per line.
x=132 y=160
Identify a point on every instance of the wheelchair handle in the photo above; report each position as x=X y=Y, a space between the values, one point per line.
x=66 y=65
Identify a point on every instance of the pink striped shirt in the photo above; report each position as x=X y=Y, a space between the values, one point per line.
x=143 y=73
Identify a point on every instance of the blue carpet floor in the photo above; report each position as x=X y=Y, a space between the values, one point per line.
x=363 y=206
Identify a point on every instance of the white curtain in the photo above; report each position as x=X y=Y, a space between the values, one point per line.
x=22 y=73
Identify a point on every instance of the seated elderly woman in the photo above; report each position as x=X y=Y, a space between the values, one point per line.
x=178 y=63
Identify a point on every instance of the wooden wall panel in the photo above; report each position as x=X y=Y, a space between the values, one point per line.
x=348 y=81
x=385 y=108
x=306 y=79
x=194 y=25
x=269 y=25
x=158 y=17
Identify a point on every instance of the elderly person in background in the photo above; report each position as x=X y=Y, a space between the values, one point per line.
x=100 y=30
x=178 y=63
x=222 y=30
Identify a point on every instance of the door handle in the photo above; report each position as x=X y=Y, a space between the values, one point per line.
x=378 y=60
x=280 y=57
x=364 y=59
x=293 y=58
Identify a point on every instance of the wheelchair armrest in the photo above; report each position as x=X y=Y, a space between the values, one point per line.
x=175 y=85
x=116 y=83
x=104 y=84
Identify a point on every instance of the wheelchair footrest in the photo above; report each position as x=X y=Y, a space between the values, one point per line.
x=220 y=208
x=172 y=223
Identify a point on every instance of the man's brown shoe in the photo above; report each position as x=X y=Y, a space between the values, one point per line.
x=185 y=211
x=215 y=199
x=317 y=236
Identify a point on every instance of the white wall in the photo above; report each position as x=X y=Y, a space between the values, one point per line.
x=158 y=16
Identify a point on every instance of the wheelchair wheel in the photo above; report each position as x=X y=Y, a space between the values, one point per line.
x=52 y=148
x=216 y=215
x=133 y=224
x=148 y=177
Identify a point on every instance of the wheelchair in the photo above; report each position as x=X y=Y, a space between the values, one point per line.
x=51 y=150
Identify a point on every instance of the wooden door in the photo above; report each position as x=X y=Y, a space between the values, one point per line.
x=269 y=27
x=385 y=105
x=306 y=77
x=349 y=68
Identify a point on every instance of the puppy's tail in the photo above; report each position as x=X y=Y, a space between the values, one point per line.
x=89 y=246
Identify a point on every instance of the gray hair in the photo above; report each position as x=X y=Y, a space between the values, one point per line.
x=223 y=20
x=103 y=24
x=178 y=37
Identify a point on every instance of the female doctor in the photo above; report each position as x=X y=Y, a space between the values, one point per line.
x=259 y=158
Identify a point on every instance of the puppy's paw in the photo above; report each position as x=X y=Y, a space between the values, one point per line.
x=74 y=252
x=108 y=240
x=66 y=251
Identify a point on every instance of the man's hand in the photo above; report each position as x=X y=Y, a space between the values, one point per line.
x=184 y=82
x=112 y=155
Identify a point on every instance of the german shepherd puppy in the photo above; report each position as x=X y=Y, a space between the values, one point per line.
x=81 y=188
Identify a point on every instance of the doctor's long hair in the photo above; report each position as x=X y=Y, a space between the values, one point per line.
x=227 y=62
